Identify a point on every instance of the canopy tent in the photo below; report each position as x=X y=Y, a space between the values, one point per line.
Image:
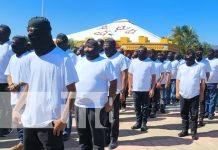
x=116 y=30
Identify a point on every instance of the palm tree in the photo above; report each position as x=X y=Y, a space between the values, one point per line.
x=185 y=37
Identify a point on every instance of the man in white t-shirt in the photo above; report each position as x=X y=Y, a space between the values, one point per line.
x=159 y=70
x=205 y=66
x=5 y=55
x=121 y=69
x=190 y=86
x=15 y=86
x=166 y=80
x=49 y=73
x=92 y=101
x=211 y=92
x=142 y=81
x=62 y=42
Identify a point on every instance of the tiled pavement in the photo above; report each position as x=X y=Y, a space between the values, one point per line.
x=161 y=135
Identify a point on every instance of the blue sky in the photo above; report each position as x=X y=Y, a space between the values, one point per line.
x=156 y=16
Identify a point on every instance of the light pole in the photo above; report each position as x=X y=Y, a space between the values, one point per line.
x=42 y=8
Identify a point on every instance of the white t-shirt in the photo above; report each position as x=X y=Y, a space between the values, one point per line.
x=120 y=64
x=158 y=69
x=92 y=88
x=204 y=64
x=174 y=70
x=214 y=71
x=47 y=77
x=102 y=54
x=14 y=70
x=190 y=77
x=142 y=72
x=72 y=55
x=181 y=61
x=167 y=69
x=5 y=55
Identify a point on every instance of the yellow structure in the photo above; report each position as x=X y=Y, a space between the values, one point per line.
x=124 y=42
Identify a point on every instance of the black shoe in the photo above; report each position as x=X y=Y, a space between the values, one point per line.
x=194 y=137
x=113 y=144
x=211 y=117
x=136 y=126
x=153 y=115
x=66 y=137
x=205 y=115
x=183 y=134
x=162 y=111
x=201 y=123
x=144 y=127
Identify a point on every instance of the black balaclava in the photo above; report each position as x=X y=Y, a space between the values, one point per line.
x=29 y=46
x=62 y=41
x=216 y=53
x=110 y=47
x=170 y=56
x=5 y=32
x=19 y=45
x=199 y=54
x=100 y=44
x=190 y=57
x=142 y=53
x=81 y=50
x=178 y=56
x=93 y=54
x=152 y=54
x=39 y=33
x=211 y=54
x=160 y=56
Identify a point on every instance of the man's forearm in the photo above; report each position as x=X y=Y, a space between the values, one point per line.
x=113 y=88
x=124 y=80
x=168 y=77
x=130 y=80
x=70 y=99
x=153 y=81
x=177 y=86
x=22 y=100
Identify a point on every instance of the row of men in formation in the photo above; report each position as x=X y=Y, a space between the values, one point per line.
x=44 y=82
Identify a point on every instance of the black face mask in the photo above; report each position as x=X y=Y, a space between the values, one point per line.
x=152 y=57
x=18 y=49
x=3 y=37
x=178 y=57
x=90 y=55
x=161 y=59
x=199 y=56
x=142 y=55
x=64 y=46
x=211 y=56
x=190 y=60
x=170 y=58
x=109 y=51
x=41 y=42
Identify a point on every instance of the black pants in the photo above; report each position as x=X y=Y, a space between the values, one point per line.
x=189 y=107
x=90 y=123
x=155 y=101
x=5 y=109
x=162 y=97
x=112 y=132
x=141 y=103
x=42 y=139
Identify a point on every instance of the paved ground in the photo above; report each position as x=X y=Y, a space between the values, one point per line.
x=162 y=134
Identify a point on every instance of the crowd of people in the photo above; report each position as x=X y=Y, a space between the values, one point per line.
x=43 y=82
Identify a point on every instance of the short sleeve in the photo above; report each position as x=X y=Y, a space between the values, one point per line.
x=169 y=67
x=124 y=64
x=208 y=68
x=8 y=69
x=70 y=74
x=110 y=72
x=131 y=67
x=178 y=77
x=25 y=71
x=161 y=68
x=202 y=74
x=153 y=68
